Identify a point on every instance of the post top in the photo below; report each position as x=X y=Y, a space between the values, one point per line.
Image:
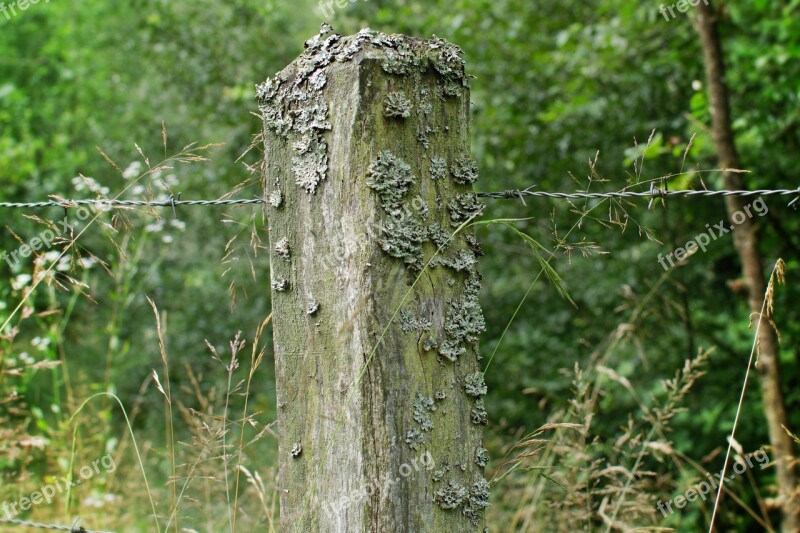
x=402 y=55
x=292 y=104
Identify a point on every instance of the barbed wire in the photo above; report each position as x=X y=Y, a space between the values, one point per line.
x=170 y=202
x=654 y=192
x=74 y=528
x=512 y=194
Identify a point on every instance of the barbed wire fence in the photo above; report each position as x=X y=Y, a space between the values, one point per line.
x=74 y=528
x=512 y=194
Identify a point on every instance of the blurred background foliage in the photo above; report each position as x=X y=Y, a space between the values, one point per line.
x=566 y=95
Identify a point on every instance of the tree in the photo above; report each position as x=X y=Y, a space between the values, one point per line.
x=746 y=241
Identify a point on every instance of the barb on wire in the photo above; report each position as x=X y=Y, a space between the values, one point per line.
x=74 y=528
x=656 y=192
x=796 y=200
x=171 y=200
x=513 y=194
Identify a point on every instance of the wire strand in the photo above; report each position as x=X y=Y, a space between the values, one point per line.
x=74 y=528
x=128 y=203
x=656 y=193
x=514 y=194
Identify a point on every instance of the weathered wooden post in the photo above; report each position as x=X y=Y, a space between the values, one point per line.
x=375 y=306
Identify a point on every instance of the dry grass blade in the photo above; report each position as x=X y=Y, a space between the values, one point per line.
x=108 y=159
x=160 y=387
x=766 y=311
x=792 y=435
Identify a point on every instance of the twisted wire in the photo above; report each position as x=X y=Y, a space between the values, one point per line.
x=129 y=203
x=520 y=194
x=656 y=193
x=74 y=528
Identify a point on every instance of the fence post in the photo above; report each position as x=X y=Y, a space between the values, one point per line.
x=376 y=318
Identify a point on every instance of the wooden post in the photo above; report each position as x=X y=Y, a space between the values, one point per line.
x=375 y=302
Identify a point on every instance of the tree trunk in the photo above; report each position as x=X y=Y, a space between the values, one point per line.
x=746 y=241
x=368 y=173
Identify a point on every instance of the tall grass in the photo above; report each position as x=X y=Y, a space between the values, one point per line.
x=204 y=468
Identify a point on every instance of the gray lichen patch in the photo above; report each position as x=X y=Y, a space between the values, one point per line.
x=425 y=127
x=297 y=450
x=439 y=473
x=479 y=415
x=425 y=106
x=439 y=236
x=391 y=177
x=474 y=245
x=451 y=496
x=396 y=105
x=452 y=89
x=440 y=395
x=401 y=61
x=414 y=439
x=472 y=285
x=409 y=322
x=282 y=248
x=430 y=344
x=424 y=133
x=318 y=79
x=403 y=239
x=477 y=500
x=424 y=211
x=475 y=385
x=293 y=107
x=423 y=324
x=280 y=284
x=465 y=170
x=310 y=165
x=463 y=261
x=275 y=199
x=423 y=406
x=463 y=208
x=438 y=168
x=309 y=120
x=312 y=306
x=465 y=320
x=472 y=502
x=451 y=350
x=481 y=456
x=403 y=235
x=271 y=98
x=446 y=58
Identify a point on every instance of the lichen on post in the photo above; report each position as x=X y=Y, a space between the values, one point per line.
x=375 y=287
